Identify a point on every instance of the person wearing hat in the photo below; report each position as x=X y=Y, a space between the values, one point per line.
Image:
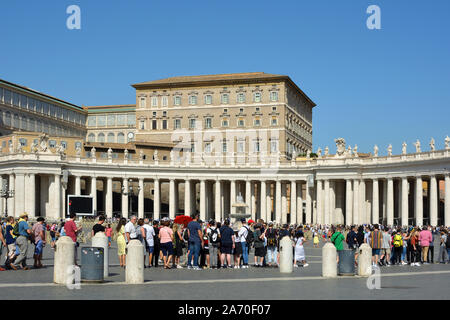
x=38 y=232
x=242 y=236
x=22 y=243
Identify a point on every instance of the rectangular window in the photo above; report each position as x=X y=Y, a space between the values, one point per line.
x=192 y=147
x=274 y=96
x=164 y=124
x=177 y=100
x=208 y=99
x=23 y=142
x=224 y=146
x=92 y=121
x=257 y=97
x=274 y=108
x=241 y=98
x=274 y=146
x=225 y=98
x=142 y=124
x=121 y=120
x=154 y=101
x=257 y=122
x=208 y=147
x=154 y=113
x=154 y=124
x=164 y=113
x=240 y=147
x=192 y=100
x=191 y=123
x=274 y=121
x=64 y=144
x=111 y=120
x=142 y=102
x=225 y=110
x=164 y=101
x=208 y=123
x=177 y=123
x=241 y=122
x=225 y=123
x=131 y=119
x=256 y=146
x=101 y=121
x=52 y=143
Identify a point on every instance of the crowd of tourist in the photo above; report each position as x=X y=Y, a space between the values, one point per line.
x=213 y=244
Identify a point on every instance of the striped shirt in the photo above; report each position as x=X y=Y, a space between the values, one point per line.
x=375 y=239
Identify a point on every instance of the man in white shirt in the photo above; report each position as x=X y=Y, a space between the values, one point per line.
x=213 y=240
x=130 y=229
x=242 y=235
x=149 y=234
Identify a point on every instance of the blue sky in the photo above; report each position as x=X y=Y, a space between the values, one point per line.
x=370 y=86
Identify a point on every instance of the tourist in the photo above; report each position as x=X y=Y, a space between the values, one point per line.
x=213 y=233
x=259 y=245
x=299 y=254
x=430 y=257
x=316 y=239
x=398 y=247
x=385 y=248
x=195 y=242
x=338 y=240
x=405 y=248
x=204 y=261
x=246 y=236
x=351 y=239
x=2 y=239
x=72 y=231
x=98 y=227
x=23 y=235
x=10 y=240
x=53 y=230
x=130 y=229
x=425 y=238
x=375 y=238
x=150 y=242
x=226 y=244
x=272 y=244
x=121 y=241
x=166 y=242
x=141 y=236
x=38 y=232
x=108 y=233
x=443 y=247
x=237 y=250
x=178 y=244
x=415 y=248
x=157 y=248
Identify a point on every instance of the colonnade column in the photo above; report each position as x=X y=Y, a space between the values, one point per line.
x=405 y=208
x=319 y=203
x=124 y=198
x=283 y=203
x=254 y=207
x=433 y=201
x=218 y=202
x=299 y=203
x=77 y=185
x=308 y=204
x=248 y=196
x=419 y=202
x=327 y=202
x=11 y=201
x=263 y=201
x=390 y=201
x=202 y=200
x=278 y=201
x=232 y=196
x=172 y=199
x=356 y=202
x=94 y=193
x=31 y=195
x=109 y=197
x=156 y=199
x=57 y=197
x=362 y=202
x=447 y=200
x=187 y=198
x=141 y=199
x=293 y=202
x=348 y=202
x=375 y=202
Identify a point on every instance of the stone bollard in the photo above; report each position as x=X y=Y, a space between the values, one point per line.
x=100 y=240
x=365 y=260
x=286 y=255
x=329 y=263
x=134 y=271
x=64 y=257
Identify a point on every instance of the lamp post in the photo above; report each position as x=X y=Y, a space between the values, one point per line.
x=130 y=193
x=6 y=193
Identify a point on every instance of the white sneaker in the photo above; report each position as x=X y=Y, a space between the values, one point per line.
x=179 y=267
x=305 y=265
x=236 y=267
x=295 y=266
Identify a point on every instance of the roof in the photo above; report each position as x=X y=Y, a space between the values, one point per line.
x=217 y=79
x=110 y=108
x=35 y=92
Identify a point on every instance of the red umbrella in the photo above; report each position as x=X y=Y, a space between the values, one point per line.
x=182 y=219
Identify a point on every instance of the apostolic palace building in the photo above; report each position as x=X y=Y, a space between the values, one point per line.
x=199 y=143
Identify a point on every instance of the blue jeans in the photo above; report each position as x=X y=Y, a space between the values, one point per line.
x=448 y=255
x=403 y=253
x=194 y=249
x=271 y=254
x=244 y=252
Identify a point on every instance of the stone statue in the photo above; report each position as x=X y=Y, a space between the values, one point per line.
x=447 y=143
x=349 y=151
x=319 y=153
x=417 y=144
x=34 y=148
x=19 y=148
x=110 y=154
x=61 y=150
x=78 y=151
x=43 y=142
x=172 y=155
x=375 y=151
x=355 y=151
x=125 y=154
x=141 y=155
x=93 y=156
x=308 y=154
x=11 y=148
x=432 y=146
x=404 y=148
x=155 y=155
x=326 y=151
x=389 y=150
x=340 y=147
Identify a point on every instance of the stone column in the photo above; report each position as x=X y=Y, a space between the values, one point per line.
x=319 y=203
x=283 y=203
x=447 y=200
x=202 y=199
x=232 y=196
x=327 y=202
x=263 y=201
x=419 y=202
x=293 y=202
x=31 y=195
x=269 y=201
x=156 y=200
x=375 y=202
x=141 y=199
x=94 y=192
x=299 y=203
x=77 y=185
x=19 y=195
x=187 y=198
x=356 y=202
x=362 y=202
x=217 y=201
x=332 y=214
x=125 y=197
x=57 y=197
x=348 y=202
x=433 y=195
x=278 y=201
x=11 y=201
x=253 y=200
x=405 y=201
x=308 y=204
x=109 y=197
x=390 y=201
x=248 y=196
x=172 y=199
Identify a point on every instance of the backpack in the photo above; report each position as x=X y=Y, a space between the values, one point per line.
x=398 y=242
x=447 y=243
x=186 y=235
x=250 y=236
x=15 y=230
x=214 y=236
x=271 y=238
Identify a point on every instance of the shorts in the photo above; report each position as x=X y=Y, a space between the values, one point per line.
x=39 y=247
x=386 y=251
x=167 y=248
x=260 y=252
x=376 y=252
x=237 y=248
x=150 y=249
x=226 y=248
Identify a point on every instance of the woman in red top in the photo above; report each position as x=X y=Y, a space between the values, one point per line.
x=108 y=233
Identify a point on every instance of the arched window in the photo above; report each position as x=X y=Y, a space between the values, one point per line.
x=101 y=137
x=91 y=137
x=111 y=137
x=120 y=137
